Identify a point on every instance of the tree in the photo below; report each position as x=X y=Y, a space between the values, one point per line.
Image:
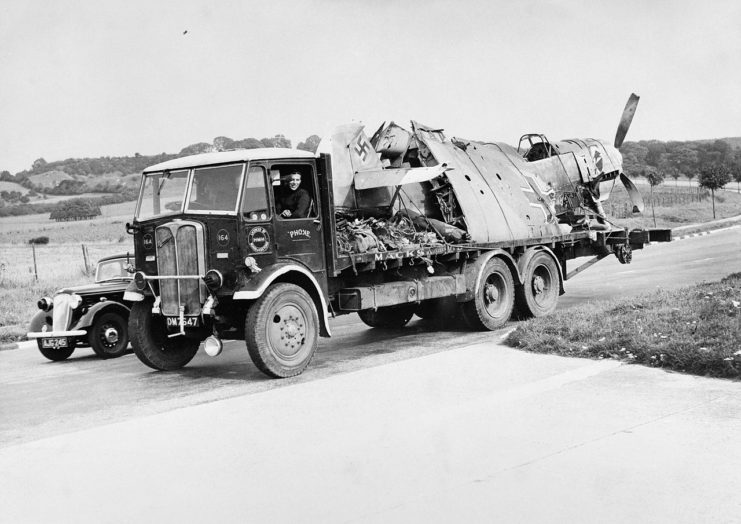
x=712 y=178
x=222 y=143
x=736 y=173
x=310 y=144
x=5 y=176
x=654 y=178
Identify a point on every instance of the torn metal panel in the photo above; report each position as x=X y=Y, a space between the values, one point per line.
x=397 y=177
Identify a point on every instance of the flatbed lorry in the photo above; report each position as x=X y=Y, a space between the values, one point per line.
x=400 y=223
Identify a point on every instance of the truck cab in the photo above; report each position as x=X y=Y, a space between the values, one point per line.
x=211 y=233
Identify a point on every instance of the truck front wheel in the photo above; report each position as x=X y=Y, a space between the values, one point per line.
x=493 y=300
x=538 y=295
x=389 y=317
x=152 y=345
x=281 y=330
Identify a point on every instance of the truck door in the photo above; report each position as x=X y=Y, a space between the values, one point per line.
x=297 y=224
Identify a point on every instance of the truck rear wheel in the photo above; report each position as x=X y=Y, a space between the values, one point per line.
x=281 y=330
x=390 y=317
x=538 y=296
x=108 y=335
x=494 y=300
x=151 y=343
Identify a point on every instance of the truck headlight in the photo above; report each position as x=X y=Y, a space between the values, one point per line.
x=140 y=281
x=213 y=279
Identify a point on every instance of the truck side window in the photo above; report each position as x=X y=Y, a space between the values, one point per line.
x=294 y=192
x=254 y=200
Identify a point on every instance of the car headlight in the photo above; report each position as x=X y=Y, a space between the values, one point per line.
x=45 y=304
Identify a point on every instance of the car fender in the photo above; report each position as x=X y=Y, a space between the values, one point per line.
x=475 y=269
x=524 y=260
x=96 y=309
x=287 y=272
x=39 y=320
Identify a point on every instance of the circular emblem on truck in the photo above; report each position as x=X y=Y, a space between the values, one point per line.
x=258 y=239
x=222 y=237
x=148 y=241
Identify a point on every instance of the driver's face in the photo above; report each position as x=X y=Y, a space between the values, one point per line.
x=294 y=181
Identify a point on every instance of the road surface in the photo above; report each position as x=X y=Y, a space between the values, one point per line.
x=417 y=425
x=42 y=398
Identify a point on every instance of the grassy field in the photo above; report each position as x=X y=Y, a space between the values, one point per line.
x=694 y=330
x=679 y=209
x=109 y=227
x=57 y=265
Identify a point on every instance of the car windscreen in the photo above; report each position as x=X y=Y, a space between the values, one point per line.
x=111 y=269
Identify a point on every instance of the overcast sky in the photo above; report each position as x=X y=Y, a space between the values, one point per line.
x=96 y=78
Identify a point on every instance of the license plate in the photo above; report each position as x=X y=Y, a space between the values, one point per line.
x=187 y=321
x=54 y=343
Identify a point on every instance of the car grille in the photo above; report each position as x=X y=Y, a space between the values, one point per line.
x=180 y=252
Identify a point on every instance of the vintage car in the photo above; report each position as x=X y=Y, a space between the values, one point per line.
x=94 y=315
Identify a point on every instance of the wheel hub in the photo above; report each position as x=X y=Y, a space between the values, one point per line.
x=538 y=285
x=292 y=330
x=110 y=335
x=491 y=293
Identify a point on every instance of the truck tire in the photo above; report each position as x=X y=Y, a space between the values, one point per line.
x=108 y=335
x=494 y=300
x=389 y=317
x=538 y=295
x=281 y=330
x=151 y=344
x=57 y=354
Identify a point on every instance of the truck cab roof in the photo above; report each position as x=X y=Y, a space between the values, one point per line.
x=226 y=157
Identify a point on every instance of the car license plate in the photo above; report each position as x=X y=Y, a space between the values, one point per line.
x=187 y=321
x=54 y=343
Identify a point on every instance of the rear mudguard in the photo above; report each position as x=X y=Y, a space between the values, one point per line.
x=474 y=271
x=287 y=272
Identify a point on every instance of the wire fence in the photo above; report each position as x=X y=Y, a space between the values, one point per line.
x=50 y=262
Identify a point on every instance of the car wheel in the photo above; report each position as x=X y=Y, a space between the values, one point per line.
x=57 y=354
x=108 y=336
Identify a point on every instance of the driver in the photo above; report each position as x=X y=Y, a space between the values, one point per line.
x=294 y=201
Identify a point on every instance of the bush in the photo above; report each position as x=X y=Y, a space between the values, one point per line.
x=39 y=240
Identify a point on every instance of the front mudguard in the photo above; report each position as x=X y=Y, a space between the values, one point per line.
x=90 y=315
x=294 y=273
x=40 y=319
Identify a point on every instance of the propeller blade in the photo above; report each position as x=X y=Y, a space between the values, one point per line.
x=633 y=193
x=627 y=118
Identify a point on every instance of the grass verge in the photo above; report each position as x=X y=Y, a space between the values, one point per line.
x=693 y=330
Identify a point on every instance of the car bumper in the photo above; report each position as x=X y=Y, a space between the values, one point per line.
x=56 y=334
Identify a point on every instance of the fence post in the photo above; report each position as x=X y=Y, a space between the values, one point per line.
x=35 y=269
x=85 y=258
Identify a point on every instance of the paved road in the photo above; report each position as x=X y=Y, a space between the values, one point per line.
x=41 y=398
x=413 y=425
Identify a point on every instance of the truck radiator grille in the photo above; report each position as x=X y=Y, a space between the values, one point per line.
x=180 y=251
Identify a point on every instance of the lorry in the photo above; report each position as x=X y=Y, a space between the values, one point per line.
x=400 y=223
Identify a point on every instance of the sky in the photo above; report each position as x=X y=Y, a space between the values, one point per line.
x=113 y=78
